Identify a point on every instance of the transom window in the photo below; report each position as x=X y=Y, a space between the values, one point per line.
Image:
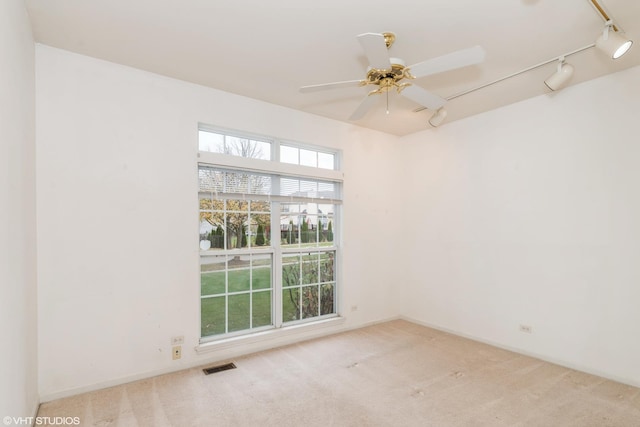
x=234 y=145
x=307 y=157
x=257 y=147
x=268 y=241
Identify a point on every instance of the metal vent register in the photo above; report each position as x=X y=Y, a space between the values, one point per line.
x=219 y=368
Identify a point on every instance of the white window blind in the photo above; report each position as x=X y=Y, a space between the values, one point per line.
x=228 y=184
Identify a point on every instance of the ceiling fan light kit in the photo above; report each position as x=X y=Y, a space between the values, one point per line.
x=387 y=73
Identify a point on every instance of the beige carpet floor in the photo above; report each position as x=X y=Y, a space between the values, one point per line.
x=392 y=374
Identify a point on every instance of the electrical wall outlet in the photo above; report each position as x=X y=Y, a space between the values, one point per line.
x=176 y=352
x=177 y=340
x=526 y=329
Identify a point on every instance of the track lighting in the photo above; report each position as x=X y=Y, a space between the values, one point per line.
x=613 y=43
x=438 y=117
x=561 y=77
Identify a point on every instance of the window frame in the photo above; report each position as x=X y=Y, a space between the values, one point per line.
x=276 y=250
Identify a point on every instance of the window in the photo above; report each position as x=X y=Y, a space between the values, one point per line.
x=307 y=157
x=217 y=142
x=268 y=246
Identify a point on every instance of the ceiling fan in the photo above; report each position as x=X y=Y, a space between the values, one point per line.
x=388 y=73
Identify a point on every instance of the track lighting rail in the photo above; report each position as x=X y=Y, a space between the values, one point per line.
x=610 y=42
x=517 y=73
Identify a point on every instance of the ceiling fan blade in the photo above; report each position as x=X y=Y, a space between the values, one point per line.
x=453 y=60
x=336 y=85
x=375 y=49
x=423 y=97
x=364 y=107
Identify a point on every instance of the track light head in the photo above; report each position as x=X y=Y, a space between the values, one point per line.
x=613 y=43
x=561 y=77
x=438 y=117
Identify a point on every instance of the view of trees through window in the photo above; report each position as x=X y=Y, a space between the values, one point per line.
x=267 y=245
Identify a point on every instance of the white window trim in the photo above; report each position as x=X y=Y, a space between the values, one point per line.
x=302 y=329
x=274 y=166
x=275 y=145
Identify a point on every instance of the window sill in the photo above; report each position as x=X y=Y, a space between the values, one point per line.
x=304 y=330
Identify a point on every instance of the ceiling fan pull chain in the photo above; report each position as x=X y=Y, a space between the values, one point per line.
x=387 y=102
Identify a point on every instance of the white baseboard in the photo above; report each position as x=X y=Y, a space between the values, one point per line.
x=35 y=412
x=226 y=350
x=233 y=349
x=542 y=357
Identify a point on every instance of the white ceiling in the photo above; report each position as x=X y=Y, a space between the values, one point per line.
x=268 y=50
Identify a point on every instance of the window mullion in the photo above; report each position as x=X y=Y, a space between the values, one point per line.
x=277 y=264
x=226 y=296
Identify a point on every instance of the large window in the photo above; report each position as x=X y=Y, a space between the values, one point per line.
x=268 y=240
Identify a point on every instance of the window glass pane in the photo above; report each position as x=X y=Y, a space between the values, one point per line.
x=237 y=206
x=330 y=221
x=290 y=270
x=244 y=147
x=310 y=302
x=215 y=237
x=308 y=230
x=326 y=161
x=239 y=273
x=325 y=227
x=236 y=218
x=290 y=221
x=289 y=186
x=213 y=315
x=288 y=154
x=261 y=271
x=239 y=312
x=213 y=275
x=309 y=269
x=260 y=232
x=290 y=304
x=259 y=207
x=327 y=273
x=327 y=190
x=309 y=158
x=262 y=150
x=326 y=299
x=236 y=182
x=206 y=222
x=211 y=180
x=209 y=141
x=309 y=188
x=260 y=184
x=261 y=309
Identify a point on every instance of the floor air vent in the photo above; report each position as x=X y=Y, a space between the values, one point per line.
x=219 y=368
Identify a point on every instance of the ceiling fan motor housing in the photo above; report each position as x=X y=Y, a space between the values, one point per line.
x=390 y=77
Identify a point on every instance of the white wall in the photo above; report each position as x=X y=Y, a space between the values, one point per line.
x=530 y=215
x=117 y=216
x=18 y=355
x=523 y=215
